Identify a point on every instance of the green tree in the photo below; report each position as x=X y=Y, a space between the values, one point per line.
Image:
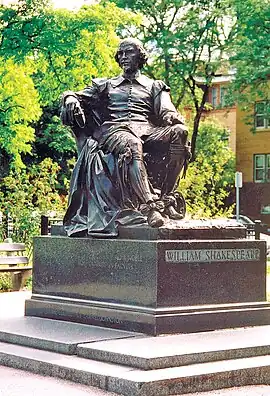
x=250 y=54
x=67 y=47
x=19 y=108
x=77 y=46
x=210 y=177
x=21 y=24
x=188 y=40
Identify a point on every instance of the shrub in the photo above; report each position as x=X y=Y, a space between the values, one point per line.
x=210 y=178
x=27 y=194
x=5 y=282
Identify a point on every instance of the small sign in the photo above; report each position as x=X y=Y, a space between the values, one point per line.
x=211 y=255
x=238 y=179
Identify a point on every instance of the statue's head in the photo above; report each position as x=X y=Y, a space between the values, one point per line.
x=134 y=49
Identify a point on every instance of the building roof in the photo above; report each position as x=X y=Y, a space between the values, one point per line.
x=219 y=78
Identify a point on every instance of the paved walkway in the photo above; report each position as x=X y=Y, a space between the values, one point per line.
x=15 y=382
x=21 y=383
x=262 y=390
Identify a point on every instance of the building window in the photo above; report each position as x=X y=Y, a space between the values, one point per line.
x=222 y=94
x=262 y=115
x=262 y=168
x=214 y=97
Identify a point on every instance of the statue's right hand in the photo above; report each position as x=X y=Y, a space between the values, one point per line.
x=72 y=104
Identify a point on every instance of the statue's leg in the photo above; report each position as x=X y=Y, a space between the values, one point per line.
x=177 y=160
x=140 y=185
x=177 y=157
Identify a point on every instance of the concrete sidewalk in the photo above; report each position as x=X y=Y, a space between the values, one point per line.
x=14 y=382
x=22 y=383
x=12 y=304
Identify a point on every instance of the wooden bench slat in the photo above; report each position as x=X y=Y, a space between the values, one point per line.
x=11 y=247
x=13 y=260
x=15 y=269
x=11 y=256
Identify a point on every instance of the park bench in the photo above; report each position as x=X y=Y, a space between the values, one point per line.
x=13 y=260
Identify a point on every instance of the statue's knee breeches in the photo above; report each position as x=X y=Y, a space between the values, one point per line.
x=124 y=144
x=131 y=149
x=129 y=152
x=136 y=148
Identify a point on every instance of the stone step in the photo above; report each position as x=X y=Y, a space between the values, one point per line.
x=135 y=349
x=129 y=381
x=55 y=335
x=150 y=353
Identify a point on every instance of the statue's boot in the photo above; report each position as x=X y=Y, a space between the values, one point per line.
x=172 y=213
x=155 y=219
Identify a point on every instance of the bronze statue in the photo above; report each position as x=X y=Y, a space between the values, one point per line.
x=121 y=124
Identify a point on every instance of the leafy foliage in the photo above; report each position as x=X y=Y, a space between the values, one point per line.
x=210 y=177
x=21 y=24
x=5 y=282
x=194 y=41
x=18 y=109
x=251 y=52
x=77 y=46
x=26 y=195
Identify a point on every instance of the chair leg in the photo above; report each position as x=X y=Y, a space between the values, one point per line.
x=16 y=281
x=19 y=278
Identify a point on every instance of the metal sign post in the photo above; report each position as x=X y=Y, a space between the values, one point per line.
x=238 y=185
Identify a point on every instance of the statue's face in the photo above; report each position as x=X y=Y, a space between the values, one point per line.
x=128 y=56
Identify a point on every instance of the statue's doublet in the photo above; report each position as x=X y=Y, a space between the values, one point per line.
x=140 y=103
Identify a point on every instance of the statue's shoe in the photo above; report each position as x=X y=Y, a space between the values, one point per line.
x=155 y=219
x=172 y=213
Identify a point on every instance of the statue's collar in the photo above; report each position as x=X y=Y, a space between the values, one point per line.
x=140 y=78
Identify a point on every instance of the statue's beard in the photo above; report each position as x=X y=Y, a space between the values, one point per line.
x=129 y=68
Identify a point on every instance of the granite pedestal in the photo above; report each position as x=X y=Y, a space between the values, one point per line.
x=155 y=285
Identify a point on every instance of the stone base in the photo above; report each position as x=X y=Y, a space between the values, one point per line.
x=153 y=286
x=151 y=321
x=174 y=229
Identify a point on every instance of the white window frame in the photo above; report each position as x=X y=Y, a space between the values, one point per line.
x=222 y=94
x=265 y=114
x=265 y=168
x=214 y=104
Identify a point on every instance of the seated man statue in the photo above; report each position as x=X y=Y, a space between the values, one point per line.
x=116 y=121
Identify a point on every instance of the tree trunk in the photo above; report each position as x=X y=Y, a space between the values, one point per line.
x=196 y=122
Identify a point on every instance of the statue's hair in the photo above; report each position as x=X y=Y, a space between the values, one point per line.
x=143 y=56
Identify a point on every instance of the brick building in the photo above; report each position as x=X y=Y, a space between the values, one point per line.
x=250 y=140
